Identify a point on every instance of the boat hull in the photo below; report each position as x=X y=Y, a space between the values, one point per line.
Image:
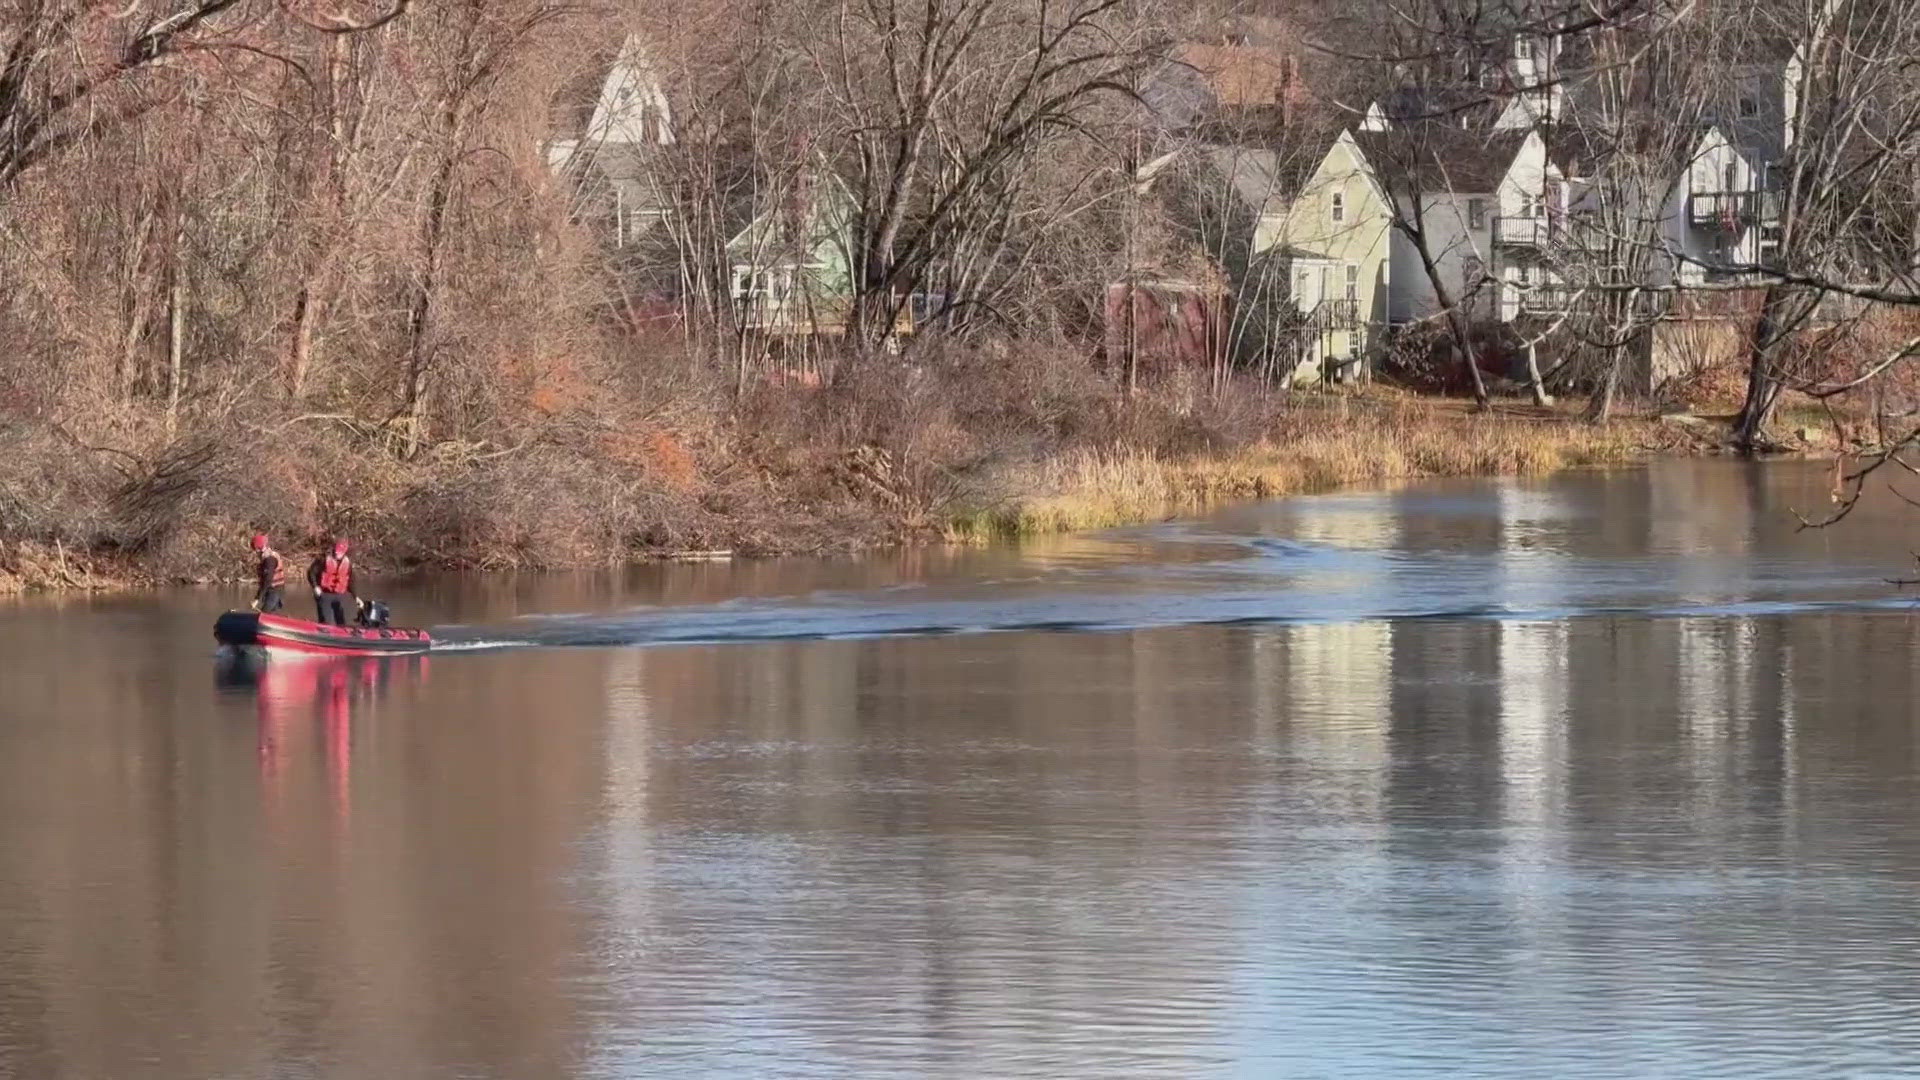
x=279 y=634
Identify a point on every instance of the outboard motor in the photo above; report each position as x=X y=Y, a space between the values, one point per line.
x=374 y=614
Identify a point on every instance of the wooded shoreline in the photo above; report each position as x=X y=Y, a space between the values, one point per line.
x=866 y=495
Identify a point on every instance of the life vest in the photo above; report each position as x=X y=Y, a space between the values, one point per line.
x=273 y=570
x=336 y=573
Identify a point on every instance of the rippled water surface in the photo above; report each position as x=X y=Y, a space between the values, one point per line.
x=1604 y=775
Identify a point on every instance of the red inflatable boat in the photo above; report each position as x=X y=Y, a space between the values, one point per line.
x=277 y=633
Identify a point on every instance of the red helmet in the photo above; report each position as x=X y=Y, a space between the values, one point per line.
x=339 y=547
x=259 y=541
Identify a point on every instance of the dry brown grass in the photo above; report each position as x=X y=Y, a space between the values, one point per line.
x=1313 y=450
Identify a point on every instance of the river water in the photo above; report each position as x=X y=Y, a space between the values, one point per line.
x=1598 y=775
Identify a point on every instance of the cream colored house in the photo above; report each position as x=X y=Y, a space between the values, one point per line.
x=1332 y=243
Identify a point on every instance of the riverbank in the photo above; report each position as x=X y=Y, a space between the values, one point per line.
x=1327 y=444
x=820 y=478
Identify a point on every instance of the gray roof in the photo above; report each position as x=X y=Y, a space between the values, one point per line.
x=1253 y=174
x=1578 y=149
x=1440 y=157
x=1446 y=105
x=1176 y=95
x=1265 y=179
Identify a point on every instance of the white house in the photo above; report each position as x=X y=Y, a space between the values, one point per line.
x=1488 y=203
x=1715 y=211
x=1532 y=83
x=1529 y=229
x=609 y=135
x=1516 y=92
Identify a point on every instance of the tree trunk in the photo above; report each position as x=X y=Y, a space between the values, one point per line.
x=129 y=366
x=305 y=314
x=876 y=305
x=1456 y=319
x=1131 y=340
x=1463 y=345
x=140 y=304
x=1619 y=310
x=328 y=192
x=740 y=363
x=1540 y=395
x=420 y=317
x=1600 y=408
x=1763 y=386
x=177 y=328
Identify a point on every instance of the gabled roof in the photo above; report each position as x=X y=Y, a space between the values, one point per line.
x=1717 y=134
x=809 y=221
x=1454 y=105
x=1440 y=157
x=1242 y=75
x=571 y=116
x=1583 y=150
x=1254 y=175
x=621 y=101
x=1251 y=65
x=1575 y=149
x=1269 y=179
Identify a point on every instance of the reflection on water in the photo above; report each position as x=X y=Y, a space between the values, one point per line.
x=309 y=702
x=1594 y=845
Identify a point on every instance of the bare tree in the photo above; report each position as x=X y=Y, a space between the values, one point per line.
x=1853 y=137
x=469 y=50
x=940 y=111
x=70 y=71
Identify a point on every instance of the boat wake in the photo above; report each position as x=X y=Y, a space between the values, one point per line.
x=778 y=622
x=454 y=644
x=1233 y=572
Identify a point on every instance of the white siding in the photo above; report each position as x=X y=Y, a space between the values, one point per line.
x=1453 y=242
x=1716 y=168
x=633 y=107
x=1532 y=196
x=1716 y=165
x=1530 y=176
x=1681 y=238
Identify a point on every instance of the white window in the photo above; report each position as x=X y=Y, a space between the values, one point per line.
x=1476 y=213
x=1732 y=177
x=1530 y=205
x=1353 y=283
x=1339 y=207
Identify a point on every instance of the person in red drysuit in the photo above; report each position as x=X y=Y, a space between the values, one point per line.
x=331 y=576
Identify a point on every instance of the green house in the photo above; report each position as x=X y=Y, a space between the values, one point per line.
x=792 y=266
